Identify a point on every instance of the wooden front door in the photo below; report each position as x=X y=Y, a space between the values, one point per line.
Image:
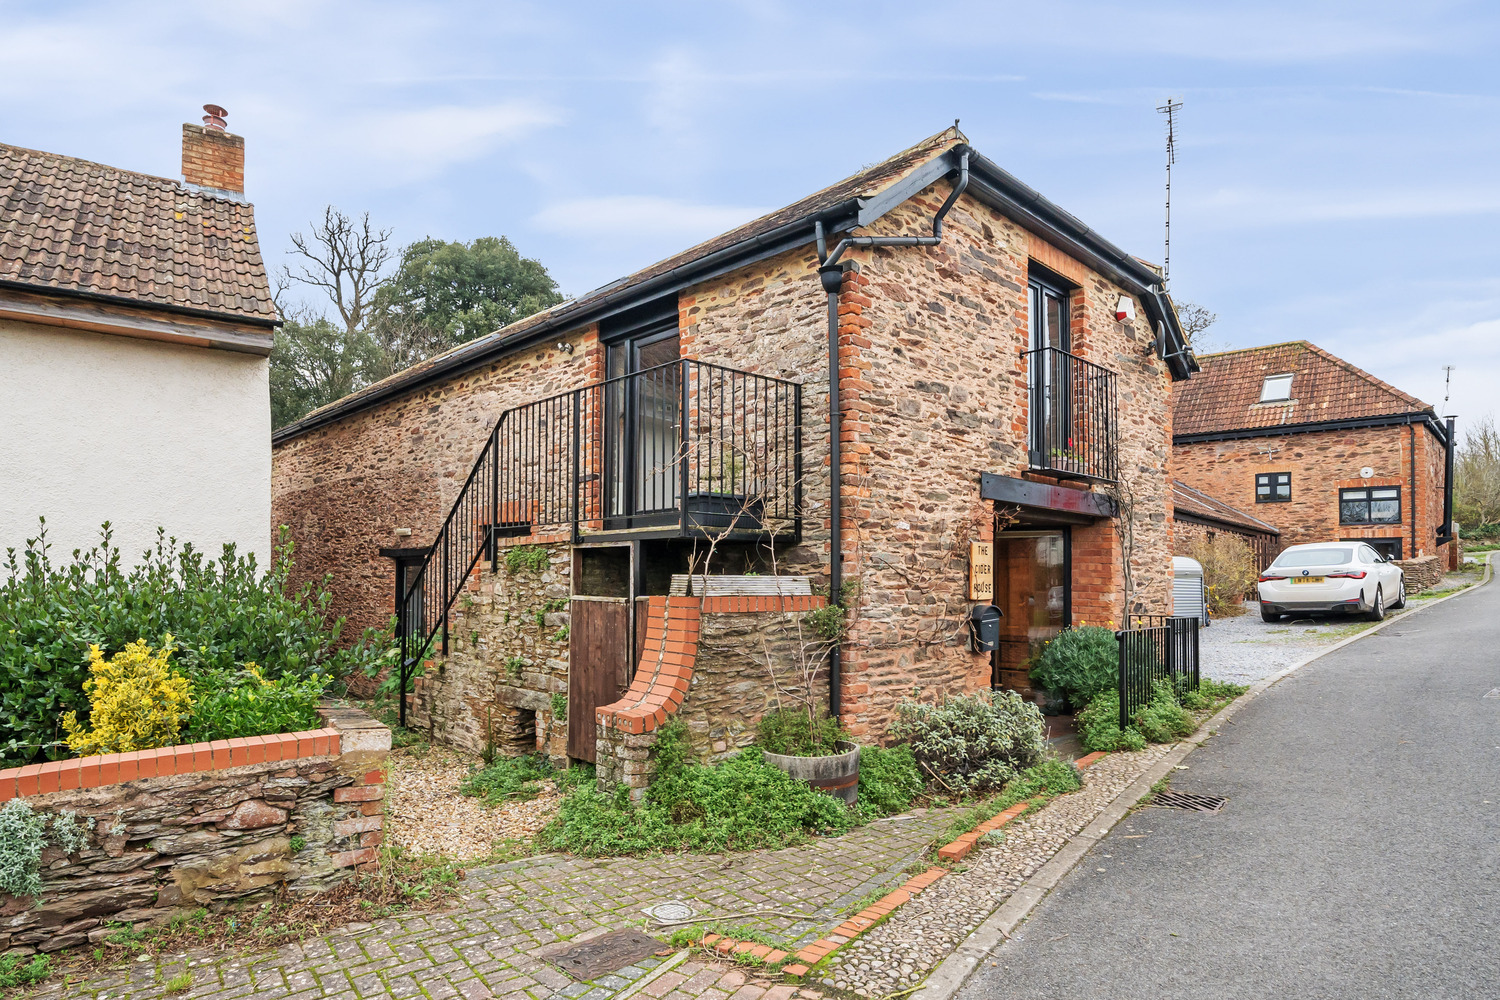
x=1032 y=591
x=599 y=666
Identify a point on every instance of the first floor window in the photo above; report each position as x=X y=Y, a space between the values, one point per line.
x=1273 y=487
x=1370 y=505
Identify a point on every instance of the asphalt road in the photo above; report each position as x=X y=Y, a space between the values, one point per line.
x=1358 y=856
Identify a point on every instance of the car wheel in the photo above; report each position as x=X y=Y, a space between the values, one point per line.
x=1377 y=610
x=1268 y=615
x=1400 y=601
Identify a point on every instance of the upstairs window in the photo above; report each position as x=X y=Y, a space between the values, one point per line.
x=1374 y=505
x=1276 y=389
x=1273 y=487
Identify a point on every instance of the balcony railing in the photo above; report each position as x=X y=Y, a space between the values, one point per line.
x=683 y=449
x=1073 y=427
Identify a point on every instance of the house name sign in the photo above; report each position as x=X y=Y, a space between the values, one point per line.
x=981 y=571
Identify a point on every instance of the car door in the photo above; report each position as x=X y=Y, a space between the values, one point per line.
x=1386 y=575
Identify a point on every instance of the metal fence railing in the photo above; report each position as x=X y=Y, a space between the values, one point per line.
x=684 y=448
x=1073 y=415
x=1156 y=648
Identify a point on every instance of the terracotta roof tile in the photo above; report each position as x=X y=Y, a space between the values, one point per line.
x=1225 y=395
x=72 y=225
x=1186 y=500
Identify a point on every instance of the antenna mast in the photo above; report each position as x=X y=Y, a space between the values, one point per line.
x=1447 y=387
x=1169 y=109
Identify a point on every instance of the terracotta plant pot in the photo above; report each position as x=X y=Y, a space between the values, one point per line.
x=837 y=775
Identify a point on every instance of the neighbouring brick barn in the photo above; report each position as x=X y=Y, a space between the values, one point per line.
x=173 y=829
x=1007 y=384
x=1196 y=517
x=1320 y=449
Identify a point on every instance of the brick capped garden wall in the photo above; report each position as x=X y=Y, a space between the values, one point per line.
x=188 y=826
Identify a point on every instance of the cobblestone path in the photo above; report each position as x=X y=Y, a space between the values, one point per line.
x=487 y=945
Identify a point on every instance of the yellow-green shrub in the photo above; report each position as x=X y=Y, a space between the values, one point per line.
x=138 y=702
x=1229 y=570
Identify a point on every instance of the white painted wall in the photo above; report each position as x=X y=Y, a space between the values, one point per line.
x=139 y=433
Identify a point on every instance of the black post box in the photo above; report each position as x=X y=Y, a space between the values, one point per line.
x=984 y=624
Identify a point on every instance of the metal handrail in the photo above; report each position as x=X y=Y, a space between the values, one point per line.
x=675 y=446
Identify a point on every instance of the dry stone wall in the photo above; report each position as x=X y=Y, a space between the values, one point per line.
x=180 y=837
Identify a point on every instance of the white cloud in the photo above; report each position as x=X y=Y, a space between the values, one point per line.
x=642 y=215
x=425 y=141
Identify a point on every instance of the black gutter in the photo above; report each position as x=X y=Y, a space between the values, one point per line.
x=831 y=275
x=1426 y=418
x=130 y=303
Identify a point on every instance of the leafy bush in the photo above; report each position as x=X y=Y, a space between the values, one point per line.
x=888 y=779
x=830 y=622
x=972 y=743
x=23 y=834
x=223 y=613
x=1099 y=726
x=741 y=803
x=508 y=778
x=247 y=703
x=1163 y=719
x=1080 y=663
x=1229 y=573
x=792 y=733
x=137 y=702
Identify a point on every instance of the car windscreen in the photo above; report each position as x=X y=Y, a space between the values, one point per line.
x=1296 y=558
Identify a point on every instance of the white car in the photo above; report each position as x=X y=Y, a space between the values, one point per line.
x=1347 y=577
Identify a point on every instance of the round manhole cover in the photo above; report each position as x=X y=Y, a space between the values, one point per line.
x=670 y=912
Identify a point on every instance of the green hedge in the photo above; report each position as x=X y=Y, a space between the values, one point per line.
x=225 y=615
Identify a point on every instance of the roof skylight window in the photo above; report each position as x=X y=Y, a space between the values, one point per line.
x=1276 y=388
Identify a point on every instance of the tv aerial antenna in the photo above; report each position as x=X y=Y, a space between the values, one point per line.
x=1447 y=388
x=1170 y=109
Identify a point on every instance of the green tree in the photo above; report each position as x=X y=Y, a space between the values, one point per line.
x=445 y=293
x=313 y=363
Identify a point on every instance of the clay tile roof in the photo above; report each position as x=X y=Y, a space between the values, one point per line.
x=74 y=226
x=1225 y=395
x=1186 y=500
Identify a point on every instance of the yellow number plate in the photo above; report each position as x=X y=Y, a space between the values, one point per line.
x=1307 y=579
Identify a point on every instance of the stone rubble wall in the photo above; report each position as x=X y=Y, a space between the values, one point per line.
x=1422 y=574
x=505 y=661
x=298 y=811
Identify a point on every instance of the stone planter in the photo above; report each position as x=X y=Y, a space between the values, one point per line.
x=837 y=775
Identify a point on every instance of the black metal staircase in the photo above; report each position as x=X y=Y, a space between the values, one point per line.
x=683 y=449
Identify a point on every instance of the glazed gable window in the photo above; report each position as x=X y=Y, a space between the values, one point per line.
x=1273 y=487
x=1373 y=505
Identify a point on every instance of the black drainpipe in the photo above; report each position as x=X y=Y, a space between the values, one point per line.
x=1445 y=533
x=831 y=274
x=1411 y=458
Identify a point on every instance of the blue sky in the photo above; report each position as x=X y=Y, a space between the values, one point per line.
x=1336 y=179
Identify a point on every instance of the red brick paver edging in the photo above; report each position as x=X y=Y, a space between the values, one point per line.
x=867 y=918
x=118 y=768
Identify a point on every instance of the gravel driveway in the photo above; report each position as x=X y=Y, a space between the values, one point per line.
x=1245 y=649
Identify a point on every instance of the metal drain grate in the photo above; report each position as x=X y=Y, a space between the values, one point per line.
x=1188 y=800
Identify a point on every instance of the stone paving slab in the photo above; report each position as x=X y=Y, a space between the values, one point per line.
x=486 y=946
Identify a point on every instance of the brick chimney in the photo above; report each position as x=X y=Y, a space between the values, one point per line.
x=211 y=157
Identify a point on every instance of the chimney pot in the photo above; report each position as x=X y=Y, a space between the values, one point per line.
x=211 y=156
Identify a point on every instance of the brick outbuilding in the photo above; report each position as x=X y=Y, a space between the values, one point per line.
x=1003 y=386
x=1320 y=449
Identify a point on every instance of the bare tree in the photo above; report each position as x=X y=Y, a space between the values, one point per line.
x=1476 y=479
x=343 y=257
x=1125 y=492
x=1196 y=320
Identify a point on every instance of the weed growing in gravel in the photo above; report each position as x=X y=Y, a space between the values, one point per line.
x=180 y=983
x=508 y=779
x=738 y=804
x=1041 y=782
x=18 y=971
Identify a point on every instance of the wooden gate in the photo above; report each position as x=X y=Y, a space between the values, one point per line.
x=599 y=665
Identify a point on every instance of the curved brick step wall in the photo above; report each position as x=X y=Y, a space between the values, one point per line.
x=663 y=681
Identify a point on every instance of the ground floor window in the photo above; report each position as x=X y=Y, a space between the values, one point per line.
x=1388 y=547
x=1370 y=505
